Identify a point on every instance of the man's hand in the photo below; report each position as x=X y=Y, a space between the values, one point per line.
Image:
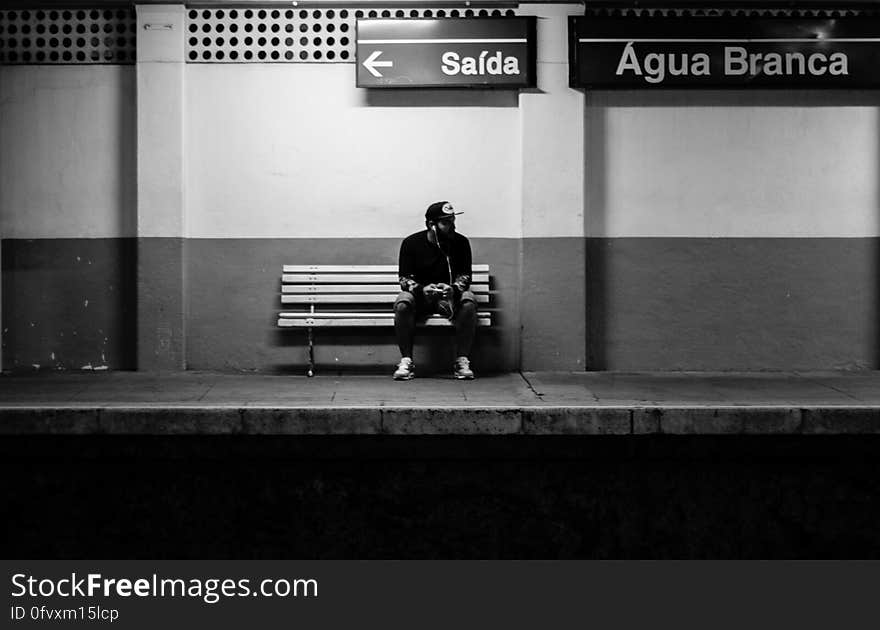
x=439 y=289
x=445 y=290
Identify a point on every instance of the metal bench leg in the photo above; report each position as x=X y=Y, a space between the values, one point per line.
x=311 y=371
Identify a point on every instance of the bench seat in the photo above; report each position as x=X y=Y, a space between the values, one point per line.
x=306 y=320
x=345 y=296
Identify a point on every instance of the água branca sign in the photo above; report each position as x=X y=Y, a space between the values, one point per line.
x=734 y=52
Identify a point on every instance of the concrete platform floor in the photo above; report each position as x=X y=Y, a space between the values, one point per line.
x=533 y=403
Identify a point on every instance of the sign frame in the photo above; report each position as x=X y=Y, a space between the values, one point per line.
x=759 y=52
x=488 y=42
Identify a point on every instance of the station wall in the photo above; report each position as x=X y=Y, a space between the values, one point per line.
x=291 y=164
x=732 y=230
x=630 y=230
x=295 y=150
x=67 y=216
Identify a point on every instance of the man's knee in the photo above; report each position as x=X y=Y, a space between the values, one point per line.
x=468 y=298
x=467 y=307
x=404 y=303
x=466 y=315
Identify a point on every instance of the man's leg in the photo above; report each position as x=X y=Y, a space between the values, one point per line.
x=405 y=323
x=404 y=327
x=465 y=322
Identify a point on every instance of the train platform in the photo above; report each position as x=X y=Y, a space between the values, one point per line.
x=524 y=465
x=529 y=403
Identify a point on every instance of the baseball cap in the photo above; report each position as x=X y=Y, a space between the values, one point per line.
x=440 y=210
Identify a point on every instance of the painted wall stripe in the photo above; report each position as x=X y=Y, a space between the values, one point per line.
x=499 y=40
x=711 y=40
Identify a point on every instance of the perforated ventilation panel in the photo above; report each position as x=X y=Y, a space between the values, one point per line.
x=103 y=36
x=70 y=36
x=292 y=35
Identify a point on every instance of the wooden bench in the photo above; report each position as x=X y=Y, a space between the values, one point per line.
x=355 y=296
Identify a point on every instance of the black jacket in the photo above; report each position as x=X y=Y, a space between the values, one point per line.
x=421 y=262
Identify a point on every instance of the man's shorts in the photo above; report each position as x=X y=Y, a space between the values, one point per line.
x=426 y=306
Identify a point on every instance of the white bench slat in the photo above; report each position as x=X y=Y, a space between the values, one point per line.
x=357 y=268
x=358 y=288
x=370 y=298
x=352 y=278
x=352 y=314
x=375 y=321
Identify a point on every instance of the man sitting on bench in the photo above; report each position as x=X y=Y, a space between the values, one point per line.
x=435 y=275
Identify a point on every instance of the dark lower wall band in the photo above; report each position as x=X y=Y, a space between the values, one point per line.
x=732 y=304
x=162 y=303
x=234 y=289
x=561 y=303
x=69 y=304
x=553 y=303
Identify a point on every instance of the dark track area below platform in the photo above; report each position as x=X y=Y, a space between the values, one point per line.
x=366 y=497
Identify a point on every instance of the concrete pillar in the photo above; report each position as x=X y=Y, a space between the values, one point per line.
x=160 y=207
x=553 y=291
x=2 y=333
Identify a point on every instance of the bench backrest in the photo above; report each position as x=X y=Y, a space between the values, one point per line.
x=372 y=289
x=361 y=284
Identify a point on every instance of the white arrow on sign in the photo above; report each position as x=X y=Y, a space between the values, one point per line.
x=371 y=63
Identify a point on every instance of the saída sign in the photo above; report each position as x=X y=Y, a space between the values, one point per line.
x=724 y=52
x=484 y=52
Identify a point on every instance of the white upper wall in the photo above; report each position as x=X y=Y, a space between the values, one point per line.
x=67 y=151
x=732 y=164
x=295 y=150
x=552 y=134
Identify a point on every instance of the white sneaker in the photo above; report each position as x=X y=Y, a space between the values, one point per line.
x=406 y=370
x=462 y=369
